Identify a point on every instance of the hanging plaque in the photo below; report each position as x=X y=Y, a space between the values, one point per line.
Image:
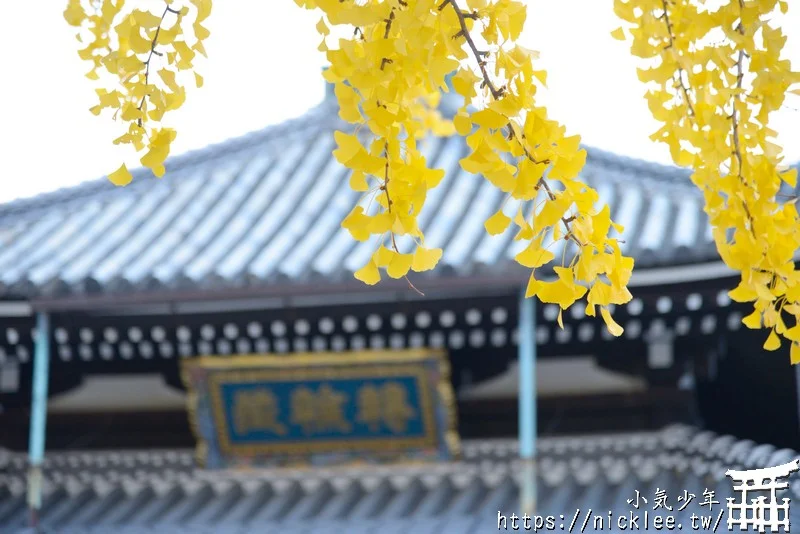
x=321 y=408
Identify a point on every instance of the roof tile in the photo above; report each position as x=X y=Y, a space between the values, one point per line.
x=160 y=491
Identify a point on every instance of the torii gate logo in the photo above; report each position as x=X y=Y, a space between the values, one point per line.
x=760 y=513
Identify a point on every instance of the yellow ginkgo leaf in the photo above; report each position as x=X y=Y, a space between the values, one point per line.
x=744 y=292
x=425 y=259
x=351 y=153
x=203 y=8
x=793 y=333
x=357 y=223
x=168 y=77
x=159 y=150
x=773 y=342
x=790 y=177
x=145 y=19
x=399 y=265
x=541 y=75
x=613 y=328
x=383 y=256
x=552 y=211
x=753 y=321
x=74 y=14
x=563 y=291
x=358 y=181
x=533 y=287
x=525 y=229
x=488 y=118
x=121 y=176
x=369 y=274
x=568 y=168
x=322 y=28
x=534 y=255
x=462 y=123
x=200 y=31
x=497 y=223
x=794 y=353
x=200 y=49
x=618 y=34
x=348 y=101
x=348 y=147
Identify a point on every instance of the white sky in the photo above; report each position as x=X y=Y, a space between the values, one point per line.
x=263 y=68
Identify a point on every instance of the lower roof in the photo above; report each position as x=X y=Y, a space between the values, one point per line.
x=161 y=491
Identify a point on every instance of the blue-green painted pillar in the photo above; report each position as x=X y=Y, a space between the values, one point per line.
x=41 y=368
x=527 y=403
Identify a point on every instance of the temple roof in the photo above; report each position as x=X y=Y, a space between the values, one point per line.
x=162 y=492
x=262 y=213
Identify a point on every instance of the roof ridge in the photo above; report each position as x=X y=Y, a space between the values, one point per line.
x=173 y=163
x=655 y=170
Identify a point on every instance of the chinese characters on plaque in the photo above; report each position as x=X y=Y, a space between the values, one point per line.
x=329 y=408
x=322 y=408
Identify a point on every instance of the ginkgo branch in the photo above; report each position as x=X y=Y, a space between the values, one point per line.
x=386 y=32
x=153 y=52
x=737 y=150
x=497 y=94
x=680 y=71
x=385 y=189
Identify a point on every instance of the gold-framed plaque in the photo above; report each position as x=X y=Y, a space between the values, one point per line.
x=321 y=408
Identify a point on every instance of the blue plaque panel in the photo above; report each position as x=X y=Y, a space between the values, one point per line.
x=321 y=408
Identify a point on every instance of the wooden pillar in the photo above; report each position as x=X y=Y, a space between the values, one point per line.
x=41 y=365
x=527 y=402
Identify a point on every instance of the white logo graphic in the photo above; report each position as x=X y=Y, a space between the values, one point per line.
x=760 y=513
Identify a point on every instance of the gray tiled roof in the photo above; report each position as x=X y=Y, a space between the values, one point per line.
x=265 y=209
x=161 y=492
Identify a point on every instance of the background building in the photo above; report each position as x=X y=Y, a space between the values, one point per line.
x=239 y=250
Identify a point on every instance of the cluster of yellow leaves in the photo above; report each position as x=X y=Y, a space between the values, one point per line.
x=714 y=78
x=388 y=77
x=139 y=57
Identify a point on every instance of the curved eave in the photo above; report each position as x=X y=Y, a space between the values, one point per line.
x=492 y=282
